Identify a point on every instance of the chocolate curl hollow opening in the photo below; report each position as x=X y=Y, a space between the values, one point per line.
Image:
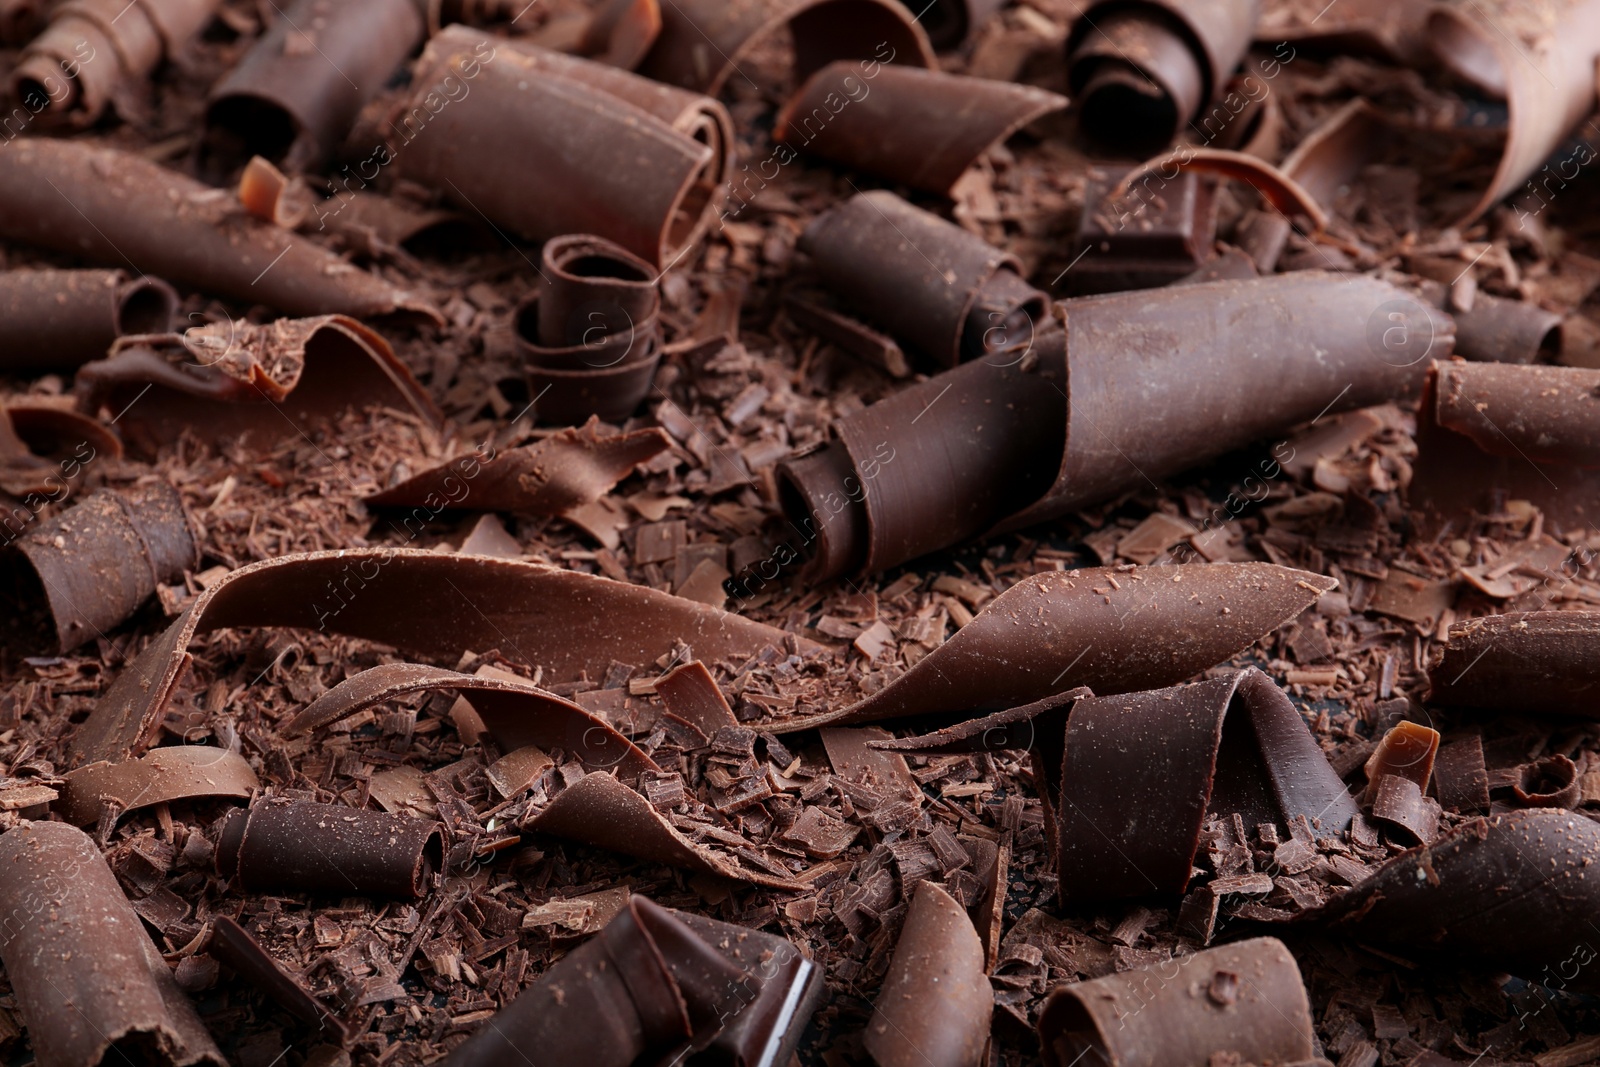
x=950 y=23
x=592 y=288
x=62 y=319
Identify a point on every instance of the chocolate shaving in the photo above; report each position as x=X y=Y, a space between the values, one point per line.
x=43 y=450
x=935 y=1004
x=691 y=694
x=1538 y=663
x=299 y=846
x=60 y=319
x=1280 y=190
x=1496 y=330
x=1460 y=779
x=1551 y=782
x=159 y=777
x=232 y=945
x=1407 y=750
x=1398 y=802
x=620 y=33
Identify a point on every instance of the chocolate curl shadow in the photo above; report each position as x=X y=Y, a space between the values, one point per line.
x=703 y=42
x=109 y=206
x=1532 y=432
x=935 y=1006
x=90 y=985
x=919 y=128
x=58 y=320
x=161 y=776
x=296 y=94
x=1245 y=1001
x=305 y=847
x=88 y=570
x=232 y=945
x=99 y=52
x=1141 y=72
x=427 y=604
x=1114 y=630
x=254 y=385
x=952 y=23
x=1532 y=663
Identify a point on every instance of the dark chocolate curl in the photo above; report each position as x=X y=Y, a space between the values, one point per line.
x=1407 y=750
x=231 y=944
x=920 y=128
x=1113 y=630
x=43 y=449
x=935 y=1004
x=91 y=987
x=296 y=93
x=96 y=53
x=703 y=42
x=1142 y=71
x=1240 y=1003
x=1535 y=663
x=159 y=777
x=1551 y=782
x=951 y=23
x=86 y=571
x=112 y=207
x=58 y=320
x=1378 y=28
x=299 y=846
x=1497 y=330
x=914 y=274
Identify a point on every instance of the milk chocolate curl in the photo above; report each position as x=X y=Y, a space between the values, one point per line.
x=1535 y=663
x=1140 y=72
x=1240 y=1003
x=112 y=207
x=296 y=93
x=159 y=777
x=1530 y=431
x=935 y=1004
x=704 y=42
x=920 y=277
x=232 y=945
x=96 y=53
x=90 y=985
x=951 y=23
x=299 y=846
x=920 y=128
x=89 y=569
x=58 y=320
x=1407 y=750
x=1497 y=330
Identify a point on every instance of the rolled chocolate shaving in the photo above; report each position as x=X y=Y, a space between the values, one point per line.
x=295 y=95
x=1275 y=184
x=607 y=379
x=703 y=42
x=113 y=207
x=90 y=985
x=60 y=319
x=919 y=128
x=935 y=1005
x=425 y=603
x=951 y=23
x=592 y=287
x=43 y=449
x=570 y=468
x=1536 y=663
x=231 y=944
x=89 y=569
x=159 y=777
x=1531 y=431
x=1110 y=629
x=253 y=385
x=1241 y=1003
x=1497 y=330
x=516 y=713
x=1407 y=750
x=1551 y=782
x=690 y=693
x=96 y=53
x=300 y=846
x=1399 y=803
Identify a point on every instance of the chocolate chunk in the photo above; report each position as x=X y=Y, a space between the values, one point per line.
x=1539 y=663
x=1155 y=233
x=62 y=319
x=159 y=777
x=232 y=945
x=298 y=846
x=935 y=1004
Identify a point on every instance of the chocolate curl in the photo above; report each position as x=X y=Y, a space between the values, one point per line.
x=272 y=196
x=90 y=985
x=1460 y=779
x=935 y=1004
x=951 y=23
x=237 y=382
x=920 y=277
x=232 y=945
x=1551 y=782
x=1276 y=185
x=42 y=449
x=428 y=604
x=1240 y=1003
x=1530 y=431
x=299 y=846
x=1111 y=629
x=919 y=128
x=1496 y=330
x=620 y=33
x=57 y=320
x=89 y=569
x=20 y=20
x=703 y=42
x=108 y=206
x=159 y=777
x=296 y=93
x=1407 y=750
x=516 y=713
x=1141 y=72
x=1533 y=663
x=97 y=52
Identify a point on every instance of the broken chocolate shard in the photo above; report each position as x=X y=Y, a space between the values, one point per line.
x=304 y=847
x=691 y=694
x=935 y=1005
x=61 y=319
x=161 y=776
x=231 y=944
x=1534 y=663
x=91 y=986
x=1239 y=1003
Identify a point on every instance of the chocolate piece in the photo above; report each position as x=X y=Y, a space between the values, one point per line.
x=1398 y=802
x=159 y=777
x=1460 y=779
x=703 y=42
x=856 y=338
x=1141 y=72
x=107 y=206
x=303 y=847
x=1497 y=330
x=691 y=694
x=90 y=985
x=1242 y=1003
x=232 y=945
x=1153 y=234
x=60 y=319
x=919 y=128
x=91 y=56
x=951 y=23
x=296 y=93
x=427 y=603
x=89 y=569
x=1548 y=783
x=935 y=1004
x=1537 y=663
x=1407 y=750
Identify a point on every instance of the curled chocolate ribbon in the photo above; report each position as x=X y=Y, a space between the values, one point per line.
x=296 y=845
x=62 y=319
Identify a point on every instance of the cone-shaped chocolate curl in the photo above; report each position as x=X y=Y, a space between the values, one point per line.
x=62 y=319
x=301 y=846
x=936 y=1004
x=1537 y=663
